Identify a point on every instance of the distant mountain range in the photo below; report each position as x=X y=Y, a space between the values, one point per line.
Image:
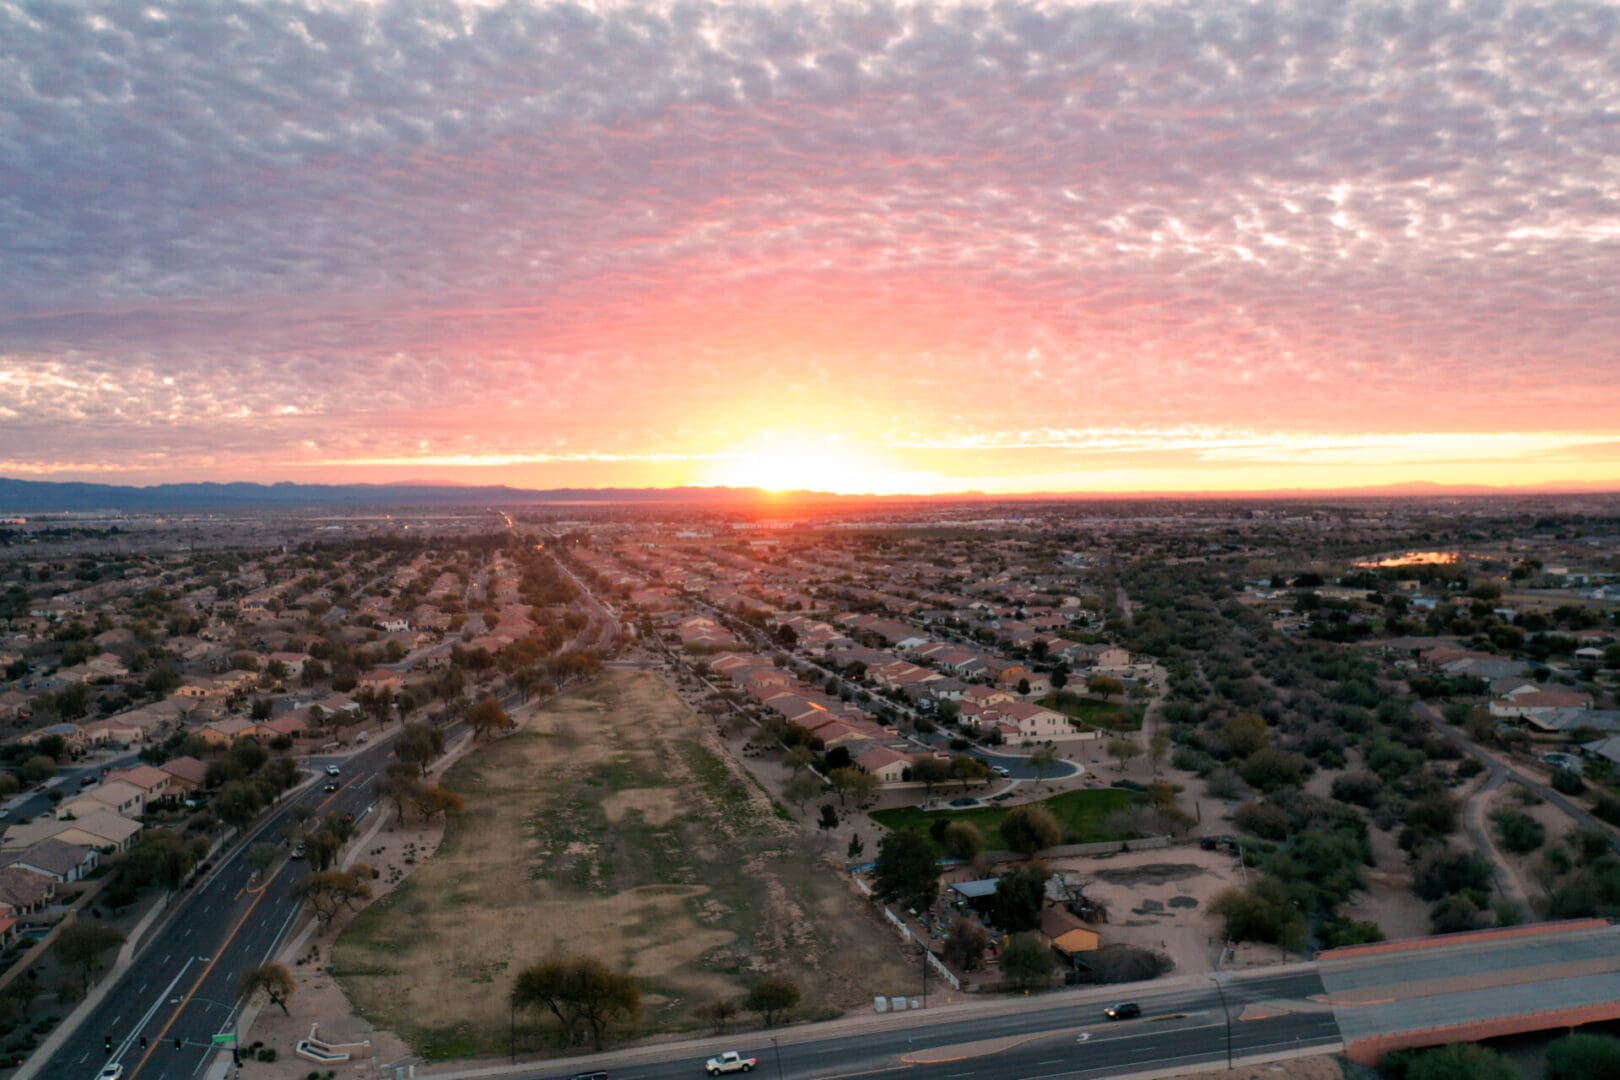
x=32 y=496
x=38 y=497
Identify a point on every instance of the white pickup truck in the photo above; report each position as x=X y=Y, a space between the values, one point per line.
x=730 y=1061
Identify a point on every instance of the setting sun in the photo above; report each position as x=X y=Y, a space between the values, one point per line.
x=790 y=462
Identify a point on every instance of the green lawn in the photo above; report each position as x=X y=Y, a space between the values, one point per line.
x=1081 y=813
x=1111 y=715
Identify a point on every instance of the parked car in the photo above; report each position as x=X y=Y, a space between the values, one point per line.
x=1123 y=1011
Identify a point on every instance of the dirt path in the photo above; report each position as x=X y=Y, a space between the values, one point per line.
x=1503 y=872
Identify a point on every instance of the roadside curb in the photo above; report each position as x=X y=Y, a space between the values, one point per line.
x=136 y=942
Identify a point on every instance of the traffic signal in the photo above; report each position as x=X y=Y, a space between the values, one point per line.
x=236 y=1057
x=106 y=1043
x=143 y=1042
x=178 y=1045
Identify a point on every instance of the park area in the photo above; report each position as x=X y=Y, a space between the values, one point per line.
x=611 y=826
x=1106 y=715
x=1083 y=816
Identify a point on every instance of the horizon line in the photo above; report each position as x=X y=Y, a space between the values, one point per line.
x=1400 y=489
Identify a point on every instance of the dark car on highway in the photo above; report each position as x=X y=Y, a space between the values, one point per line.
x=1123 y=1011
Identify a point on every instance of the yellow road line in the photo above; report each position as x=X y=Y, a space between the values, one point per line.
x=152 y=1047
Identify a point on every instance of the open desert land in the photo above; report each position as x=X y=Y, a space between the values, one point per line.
x=612 y=825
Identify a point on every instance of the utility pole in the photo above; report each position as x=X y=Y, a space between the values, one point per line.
x=924 y=945
x=1219 y=989
x=778 y=1048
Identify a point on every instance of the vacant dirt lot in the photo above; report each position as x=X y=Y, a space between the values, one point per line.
x=613 y=826
x=1160 y=900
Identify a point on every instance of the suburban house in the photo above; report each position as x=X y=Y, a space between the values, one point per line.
x=1067 y=935
x=154 y=783
x=123 y=799
x=25 y=891
x=1525 y=702
x=186 y=774
x=382 y=679
x=887 y=765
x=226 y=731
x=56 y=860
x=113 y=729
x=102 y=830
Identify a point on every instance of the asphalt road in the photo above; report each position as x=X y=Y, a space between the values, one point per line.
x=1182 y=1027
x=183 y=984
x=36 y=804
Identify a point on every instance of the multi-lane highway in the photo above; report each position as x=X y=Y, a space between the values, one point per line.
x=1058 y=1036
x=183 y=983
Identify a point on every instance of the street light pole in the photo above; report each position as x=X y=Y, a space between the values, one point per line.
x=1219 y=989
x=778 y=1048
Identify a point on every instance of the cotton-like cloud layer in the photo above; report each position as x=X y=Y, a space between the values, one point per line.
x=619 y=244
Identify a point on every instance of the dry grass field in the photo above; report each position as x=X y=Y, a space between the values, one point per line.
x=615 y=826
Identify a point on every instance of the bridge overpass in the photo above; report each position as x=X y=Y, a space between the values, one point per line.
x=1467 y=987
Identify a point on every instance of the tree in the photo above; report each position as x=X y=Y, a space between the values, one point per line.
x=907 y=872
x=162 y=857
x=81 y=945
x=965 y=944
x=1262 y=912
x=419 y=745
x=962 y=840
x=1583 y=1057
x=1123 y=751
x=431 y=800
x=398 y=784
x=1020 y=896
x=1104 y=685
x=772 y=998
x=717 y=1014
x=1519 y=832
x=1456 y=1061
x=330 y=891
x=1158 y=747
x=237 y=803
x=861 y=787
x=930 y=772
x=1026 y=963
x=488 y=717
x=261 y=857
x=578 y=990
x=1030 y=828
x=37 y=769
x=842 y=781
x=605 y=998
x=274 y=979
x=829 y=818
x=803 y=787
x=546 y=985
x=1043 y=761
x=1245 y=734
x=856 y=846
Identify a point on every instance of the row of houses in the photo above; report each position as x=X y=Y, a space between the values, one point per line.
x=38 y=857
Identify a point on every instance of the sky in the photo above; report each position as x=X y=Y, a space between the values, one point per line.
x=886 y=247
